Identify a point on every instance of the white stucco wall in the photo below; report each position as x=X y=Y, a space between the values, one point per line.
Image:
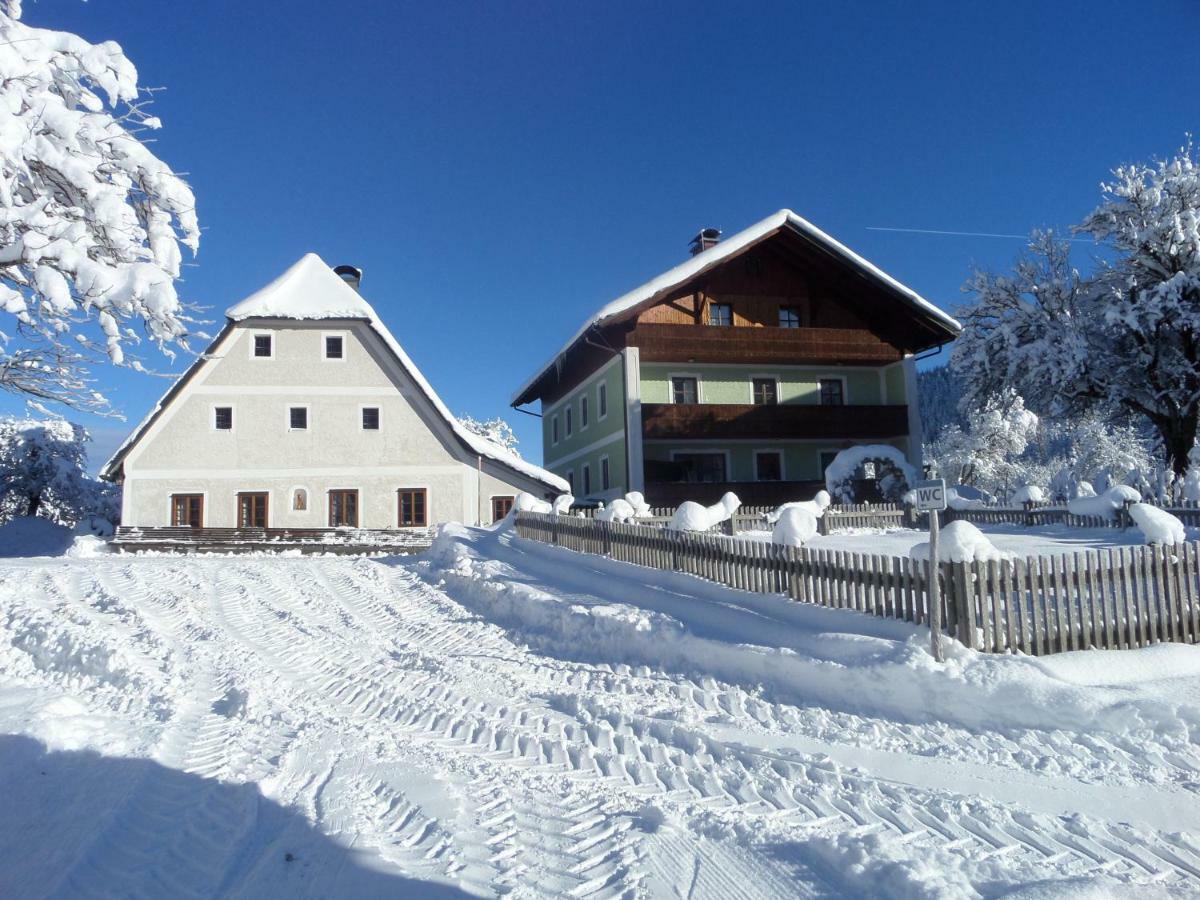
x=183 y=452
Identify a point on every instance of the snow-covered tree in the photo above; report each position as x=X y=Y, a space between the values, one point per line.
x=987 y=452
x=91 y=222
x=43 y=472
x=1126 y=338
x=495 y=430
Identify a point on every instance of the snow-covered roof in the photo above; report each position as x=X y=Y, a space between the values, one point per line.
x=718 y=253
x=310 y=290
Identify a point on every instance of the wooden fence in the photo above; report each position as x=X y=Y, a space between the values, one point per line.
x=840 y=517
x=1112 y=599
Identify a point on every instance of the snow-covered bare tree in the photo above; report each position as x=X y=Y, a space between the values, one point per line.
x=1127 y=337
x=91 y=222
x=42 y=472
x=495 y=430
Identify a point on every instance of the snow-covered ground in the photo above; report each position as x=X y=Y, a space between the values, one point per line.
x=499 y=716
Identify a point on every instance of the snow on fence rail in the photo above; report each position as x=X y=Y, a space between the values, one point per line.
x=1113 y=599
x=1033 y=515
x=839 y=517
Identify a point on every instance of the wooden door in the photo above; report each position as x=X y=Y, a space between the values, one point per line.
x=343 y=508
x=187 y=510
x=252 y=510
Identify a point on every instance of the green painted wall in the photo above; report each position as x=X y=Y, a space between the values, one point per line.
x=893 y=377
x=801 y=460
x=731 y=384
x=597 y=429
x=618 y=480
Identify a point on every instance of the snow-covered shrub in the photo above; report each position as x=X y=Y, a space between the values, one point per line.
x=691 y=516
x=961 y=542
x=562 y=504
x=987 y=451
x=91 y=221
x=1084 y=489
x=42 y=473
x=1158 y=526
x=526 y=502
x=1190 y=489
x=641 y=509
x=893 y=473
x=1028 y=493
x=1104 y=505
x=795 y=527
x=618 y=511
x=816 y=506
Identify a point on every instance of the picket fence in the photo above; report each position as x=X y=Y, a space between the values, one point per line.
x=1111 y=599
x=1033 y=515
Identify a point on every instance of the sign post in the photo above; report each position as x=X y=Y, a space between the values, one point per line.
x=931 y=498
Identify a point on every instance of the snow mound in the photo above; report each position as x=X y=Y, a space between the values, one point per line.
x=795 y=527
x=641 y=509
x=87 y=546
x=1029 y=493
x=816 y=507
x=1158 y=525
x=617 y=511
x=526 y=502
x=33 y=536
x=961 y=542
x=1105 y=505
x=562 y=504
x=956 y=499
x=691 y=516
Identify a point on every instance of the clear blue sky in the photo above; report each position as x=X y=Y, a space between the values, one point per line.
x=501 y=170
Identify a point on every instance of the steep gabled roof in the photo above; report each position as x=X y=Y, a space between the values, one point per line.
x=653 y=291
x=310 y=290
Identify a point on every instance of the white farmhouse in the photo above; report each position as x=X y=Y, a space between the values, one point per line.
x=306 y=413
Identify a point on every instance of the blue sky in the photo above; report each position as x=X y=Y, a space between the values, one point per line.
x=500 y=171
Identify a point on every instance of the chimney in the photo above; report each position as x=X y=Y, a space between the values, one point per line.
x=708 y=237
x=352 y=275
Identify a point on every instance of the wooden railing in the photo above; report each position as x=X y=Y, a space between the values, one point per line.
x=1112 y=599
x=776 y=421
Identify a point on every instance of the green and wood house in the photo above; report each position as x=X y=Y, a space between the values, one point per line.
x=745 y=368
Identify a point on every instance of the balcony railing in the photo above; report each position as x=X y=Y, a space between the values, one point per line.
x=784 y=421
x=706 y=343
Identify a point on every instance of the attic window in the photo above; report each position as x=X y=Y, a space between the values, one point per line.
x=720 y=314
x=298 y=418
x=370 y=418
x=333 y=346
x=262 y=345
x=223 y=418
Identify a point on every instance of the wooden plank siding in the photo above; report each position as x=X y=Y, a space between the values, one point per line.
x=781 y=421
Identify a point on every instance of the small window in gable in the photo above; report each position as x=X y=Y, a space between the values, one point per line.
x=298 y=418
x=370 y=418
x=223 y=418
x=333 y=346
x=262 y=345
x=720 y=314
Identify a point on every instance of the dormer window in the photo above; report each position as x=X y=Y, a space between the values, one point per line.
x=334 y=348
x=262 y=346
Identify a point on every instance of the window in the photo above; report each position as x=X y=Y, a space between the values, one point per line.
x=720 y=314
x=262 y=346
x=832 y=392
x=568 y=421
x=583 y=411
x=604 y=485
x=223 y=418
x=684 y=389
x=501 y=507
x=602 y=401
x=587 y=479
x=765 y=391
x=789 y=317
x=702 y=467
x=768 y=465
x=554 y=430
x=827 y=458
x=412 y=507
x=571 y=481
x=370 y=418
x=300 y=500
x=252 y=510
x=187 y=510
x=333 y=346
x=298 y=418
x=343 y=509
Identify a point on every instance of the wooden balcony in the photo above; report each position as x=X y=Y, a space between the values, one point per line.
x=784 y=421
x=711 y=344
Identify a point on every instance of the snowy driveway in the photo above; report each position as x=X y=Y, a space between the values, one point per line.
x=500 y=717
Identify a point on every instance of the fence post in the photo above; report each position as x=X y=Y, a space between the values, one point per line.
x=964 y=604
x=553 y=531
x=675 y=537
x=607 y=532
x=1028 y=513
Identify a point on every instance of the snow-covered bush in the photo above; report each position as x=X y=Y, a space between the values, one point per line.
x=495 y=430
x=641 y=509
x=893 y=474
x=958 y=497
x=526 y=502
x=1028 y=493
x=961 y=541
x=618 y=511
x=987 y=452
x=562 y=504
x=91 y=221
x=692 y=516
x=816 y=507
x=43 y=473
x=1157 y=526
x=795 y=527
x=1104 y=505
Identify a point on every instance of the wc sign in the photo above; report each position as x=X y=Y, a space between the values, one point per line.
x=931 y=495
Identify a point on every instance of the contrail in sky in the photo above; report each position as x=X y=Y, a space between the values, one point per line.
x=984 y=234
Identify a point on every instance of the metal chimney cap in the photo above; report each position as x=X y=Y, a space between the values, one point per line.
x=352 y=275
